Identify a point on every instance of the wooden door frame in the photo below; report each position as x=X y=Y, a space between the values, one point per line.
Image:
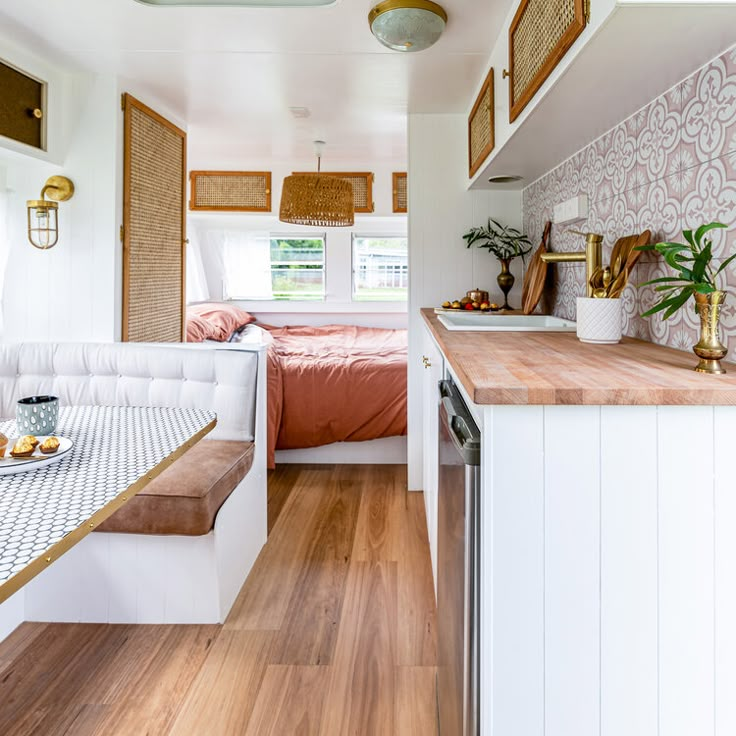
x=128 y=103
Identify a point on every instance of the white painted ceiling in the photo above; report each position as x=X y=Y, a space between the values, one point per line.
x=232 y=73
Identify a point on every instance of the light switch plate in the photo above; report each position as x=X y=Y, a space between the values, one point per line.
x=571 y=210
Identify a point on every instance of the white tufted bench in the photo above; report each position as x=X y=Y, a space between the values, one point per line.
x=137 y=578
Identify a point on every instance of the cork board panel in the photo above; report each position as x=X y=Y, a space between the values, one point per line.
x=541 y=33
x=154 y=194
x=230 y=191
x=22 y=95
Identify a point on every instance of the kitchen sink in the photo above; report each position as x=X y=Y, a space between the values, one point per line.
x=478 y=322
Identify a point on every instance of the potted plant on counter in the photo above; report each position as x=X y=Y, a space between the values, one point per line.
x=694 y=276
x=504 y=242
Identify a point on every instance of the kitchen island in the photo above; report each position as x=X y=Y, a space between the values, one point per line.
x=608 y=509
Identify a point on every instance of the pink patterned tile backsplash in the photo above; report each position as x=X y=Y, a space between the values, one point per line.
x=671 y=165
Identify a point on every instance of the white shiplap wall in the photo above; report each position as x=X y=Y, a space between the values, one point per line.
x=441 y=209
x=609 y=592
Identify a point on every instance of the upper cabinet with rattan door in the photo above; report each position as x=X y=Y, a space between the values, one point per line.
x=22 y=103
x=566 y=74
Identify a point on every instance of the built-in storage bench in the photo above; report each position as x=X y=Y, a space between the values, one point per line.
x=192 y=535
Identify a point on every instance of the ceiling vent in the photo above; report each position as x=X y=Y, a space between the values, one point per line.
x=300 y=112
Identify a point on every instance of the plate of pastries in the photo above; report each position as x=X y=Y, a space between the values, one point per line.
x=30 y=452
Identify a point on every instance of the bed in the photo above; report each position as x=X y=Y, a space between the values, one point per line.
x=335 y=383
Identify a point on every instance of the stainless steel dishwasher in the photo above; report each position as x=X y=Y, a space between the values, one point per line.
x=458 y=566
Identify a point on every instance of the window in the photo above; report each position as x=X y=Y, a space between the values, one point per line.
x=268 y=266
x=298 y=268
x=380 y=269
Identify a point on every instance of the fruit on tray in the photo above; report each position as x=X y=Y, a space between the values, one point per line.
x=470 y=306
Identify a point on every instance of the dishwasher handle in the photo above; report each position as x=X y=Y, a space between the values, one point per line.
x=460 y=425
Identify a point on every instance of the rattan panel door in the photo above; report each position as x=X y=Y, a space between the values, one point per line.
x=399 y=190
x=154 y=193
x=481 y=126
x=230 y=191
x=540 y=34
x=362 y=182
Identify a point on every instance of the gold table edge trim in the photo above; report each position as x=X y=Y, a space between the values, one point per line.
x=39 y=564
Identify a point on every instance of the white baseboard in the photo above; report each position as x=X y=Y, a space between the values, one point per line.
x=383 y=451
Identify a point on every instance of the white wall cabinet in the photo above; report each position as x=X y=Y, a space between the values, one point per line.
x=432 y=372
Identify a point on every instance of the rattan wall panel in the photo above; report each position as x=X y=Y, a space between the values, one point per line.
x=362 y=182
x=234 y=191
x=154 y=193
x=539 y=36
x=400 y=193
x=481 y=126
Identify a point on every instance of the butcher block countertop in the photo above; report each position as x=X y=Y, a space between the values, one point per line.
x=556 y=368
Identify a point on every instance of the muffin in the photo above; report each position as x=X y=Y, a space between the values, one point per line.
x=31 y=439
x=3 y=444
x=49 y=446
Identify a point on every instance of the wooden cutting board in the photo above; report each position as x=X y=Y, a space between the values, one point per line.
x=535 y=275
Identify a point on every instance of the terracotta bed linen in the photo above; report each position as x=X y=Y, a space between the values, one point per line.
x=338 y=383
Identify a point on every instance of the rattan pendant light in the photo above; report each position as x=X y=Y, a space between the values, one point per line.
x=320 y=200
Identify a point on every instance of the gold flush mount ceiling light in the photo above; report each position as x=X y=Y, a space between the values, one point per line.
x=407 y=25
x=317 y=199
x=43 y=221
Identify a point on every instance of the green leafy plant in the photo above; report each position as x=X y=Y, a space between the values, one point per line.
x=502 y=241
x=692 y=264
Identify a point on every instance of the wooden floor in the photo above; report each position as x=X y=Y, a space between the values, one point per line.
x=333 y=634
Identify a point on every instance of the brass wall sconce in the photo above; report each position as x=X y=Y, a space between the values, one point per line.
x=43 y=220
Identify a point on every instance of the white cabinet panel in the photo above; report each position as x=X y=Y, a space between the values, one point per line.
x=628 y=571
x=432 y=372
x=572 y=570
x=512 y=567
x=725 y=571
x=686 y=658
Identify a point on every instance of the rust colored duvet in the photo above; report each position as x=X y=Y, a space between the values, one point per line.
x=338 y=383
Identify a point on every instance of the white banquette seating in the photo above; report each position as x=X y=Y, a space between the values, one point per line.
x=137 y=578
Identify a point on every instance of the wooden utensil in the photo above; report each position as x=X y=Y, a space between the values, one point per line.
x=535 y=276
x=629 y=256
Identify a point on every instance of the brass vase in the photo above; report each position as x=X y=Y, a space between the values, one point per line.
x=505 y=281
x=709 y=349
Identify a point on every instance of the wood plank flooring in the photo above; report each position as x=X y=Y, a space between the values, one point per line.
x=333 y=634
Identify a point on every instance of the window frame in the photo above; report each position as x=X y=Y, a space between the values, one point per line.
x=353 y=266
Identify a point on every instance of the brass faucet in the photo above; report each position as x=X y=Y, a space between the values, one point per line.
x=592 y=255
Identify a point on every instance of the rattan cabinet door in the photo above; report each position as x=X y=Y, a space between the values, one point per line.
x=154 y=226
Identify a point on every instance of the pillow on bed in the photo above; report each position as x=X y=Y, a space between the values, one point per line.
x=198 y=329
x=223 y=319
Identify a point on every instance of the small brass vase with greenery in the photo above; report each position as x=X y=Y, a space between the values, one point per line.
x=695 y=276
x=504 y=242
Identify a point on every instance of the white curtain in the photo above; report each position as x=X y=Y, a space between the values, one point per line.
x=247 y=265
x=197 y=289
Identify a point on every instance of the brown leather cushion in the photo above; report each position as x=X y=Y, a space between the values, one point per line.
x=186 y=497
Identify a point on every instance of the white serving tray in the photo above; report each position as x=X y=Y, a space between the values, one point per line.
x=10 y=465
